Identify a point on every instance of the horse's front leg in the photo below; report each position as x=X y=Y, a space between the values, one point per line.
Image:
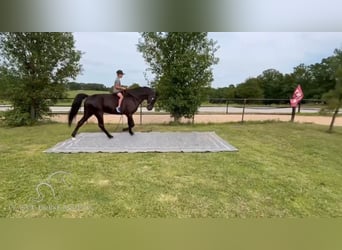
x=130 y=124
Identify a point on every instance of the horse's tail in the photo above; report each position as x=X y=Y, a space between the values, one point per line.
x=76 y=104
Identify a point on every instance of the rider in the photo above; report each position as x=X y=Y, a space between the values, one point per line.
x=118 y=88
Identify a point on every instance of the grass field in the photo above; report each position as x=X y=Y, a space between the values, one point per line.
x=281 y=170
x=72 y=93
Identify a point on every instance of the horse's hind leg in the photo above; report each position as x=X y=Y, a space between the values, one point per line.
x=99 y=117
x=85 y=117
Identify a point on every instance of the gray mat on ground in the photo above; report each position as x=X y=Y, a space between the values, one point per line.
x=144 y=142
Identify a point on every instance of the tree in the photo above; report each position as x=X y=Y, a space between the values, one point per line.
x=226 y=92
x=334 y=96
x=317 y=79
x=35 y=68
x=134 y=85
x=250 y=89
x=322 y=78
x=288 y=85
x=302 y=75
x=218 y=95
x=271 y=83
x=181 y=64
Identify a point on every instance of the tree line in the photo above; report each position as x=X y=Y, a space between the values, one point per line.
x=87 y=86
x=95 y=86
x=316 y=80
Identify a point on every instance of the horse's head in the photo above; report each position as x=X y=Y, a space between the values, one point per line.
x=144 y=93
x=151 y=99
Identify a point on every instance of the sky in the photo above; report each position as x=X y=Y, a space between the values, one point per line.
x=241 y=54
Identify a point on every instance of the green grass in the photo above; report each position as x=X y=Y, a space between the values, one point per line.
x=281 y=170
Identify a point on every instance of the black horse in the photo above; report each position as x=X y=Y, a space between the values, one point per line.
x=99 y=104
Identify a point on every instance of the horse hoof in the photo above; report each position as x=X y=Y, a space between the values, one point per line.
x=110 y=137
x=73 y=138
x=131 y=133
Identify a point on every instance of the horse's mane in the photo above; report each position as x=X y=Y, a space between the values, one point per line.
x=139 y=91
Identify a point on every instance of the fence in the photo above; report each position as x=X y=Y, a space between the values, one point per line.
x=267 y=106
x=221 y=107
